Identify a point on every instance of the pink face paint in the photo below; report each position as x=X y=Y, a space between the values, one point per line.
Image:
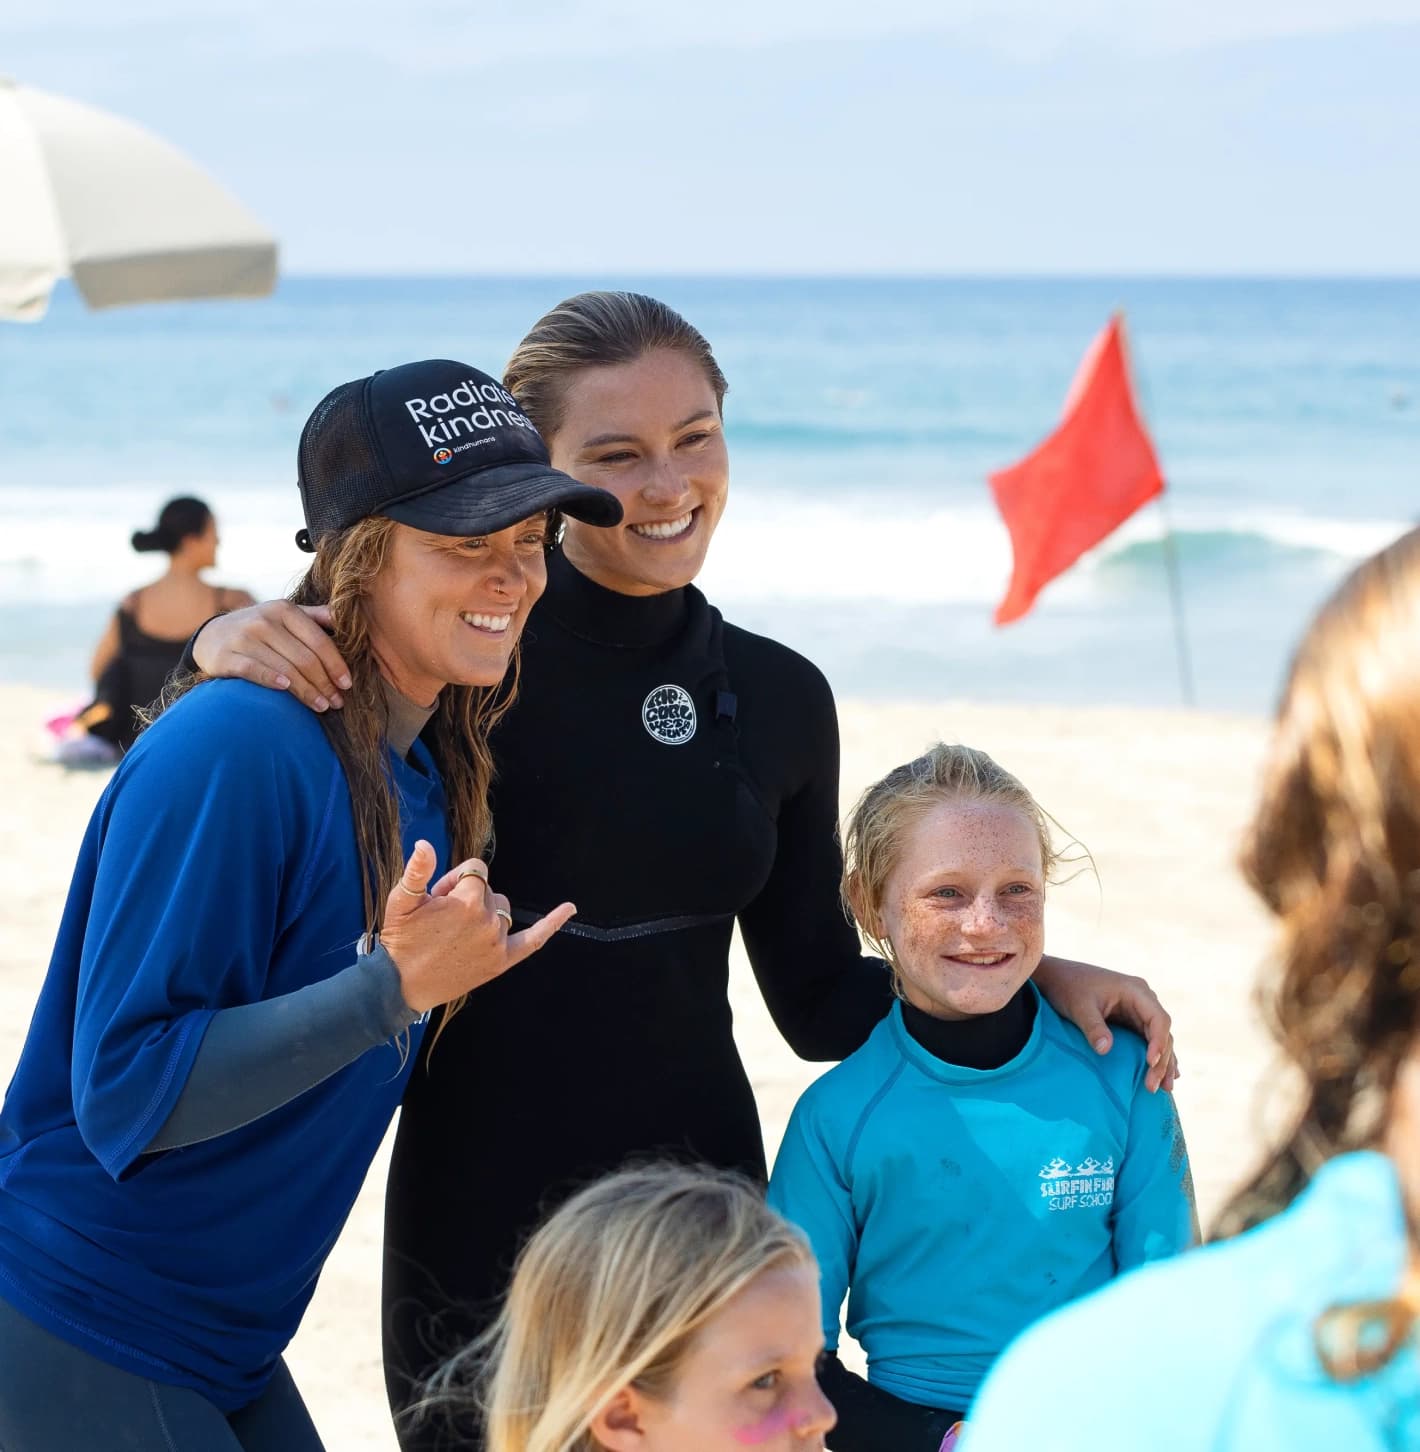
x=771 y=1426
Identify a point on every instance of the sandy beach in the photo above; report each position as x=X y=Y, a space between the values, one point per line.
x=1159 y=798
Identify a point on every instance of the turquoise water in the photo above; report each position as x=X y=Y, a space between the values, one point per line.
x=864 y=417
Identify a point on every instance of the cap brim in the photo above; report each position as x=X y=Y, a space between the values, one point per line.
x=496 y=498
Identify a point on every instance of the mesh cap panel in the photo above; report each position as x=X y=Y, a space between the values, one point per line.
x=339 y=467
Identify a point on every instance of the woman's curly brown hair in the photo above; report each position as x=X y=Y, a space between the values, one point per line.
x=1334 y=852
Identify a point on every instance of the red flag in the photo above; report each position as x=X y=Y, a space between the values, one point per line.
x=1083 y=482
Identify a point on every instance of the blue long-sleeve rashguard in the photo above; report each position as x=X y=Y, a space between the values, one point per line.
x=219 y=869
x=955 y=1206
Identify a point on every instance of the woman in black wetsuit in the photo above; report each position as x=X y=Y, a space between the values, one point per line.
x=673 y=774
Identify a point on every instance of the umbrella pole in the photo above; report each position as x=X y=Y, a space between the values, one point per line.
x=1180 y=628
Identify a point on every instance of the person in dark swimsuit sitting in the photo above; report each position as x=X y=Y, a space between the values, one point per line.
x=144 y=639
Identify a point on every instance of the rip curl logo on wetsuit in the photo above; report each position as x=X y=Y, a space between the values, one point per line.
x=1088 y=1185
x=668 y=714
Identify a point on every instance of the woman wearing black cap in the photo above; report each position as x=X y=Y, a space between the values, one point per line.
x=676 y=774
x=213 y=1062
x=144 y=638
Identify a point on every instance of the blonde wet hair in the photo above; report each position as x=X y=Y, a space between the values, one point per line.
x=890 y=808
x=611 y=1292
x=594 y=330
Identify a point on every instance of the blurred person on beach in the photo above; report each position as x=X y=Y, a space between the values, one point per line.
x=1298 y=1328
x=662 y=1309
x=250 y=951
x=675 y=773
x=974 y=1165
x=143 y=641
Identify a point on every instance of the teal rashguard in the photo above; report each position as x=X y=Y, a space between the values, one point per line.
x=955 y=1206
x=1234 y=1359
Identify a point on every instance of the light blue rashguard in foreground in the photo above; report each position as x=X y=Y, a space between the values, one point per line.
x=219 y=869
x=1215 y=1351
x=955 y=1206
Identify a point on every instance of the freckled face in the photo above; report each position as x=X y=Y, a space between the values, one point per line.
x=650 y=432
x=447 y=610
x=750 y=1379
x=964 y=908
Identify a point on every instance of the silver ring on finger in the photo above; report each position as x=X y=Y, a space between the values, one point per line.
x=504 y=914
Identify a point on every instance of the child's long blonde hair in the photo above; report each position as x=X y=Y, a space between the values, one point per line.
x=611 y=1293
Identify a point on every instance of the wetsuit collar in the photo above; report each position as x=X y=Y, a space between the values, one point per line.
x=592 y=612
x=405 y=721
x=984 y=1041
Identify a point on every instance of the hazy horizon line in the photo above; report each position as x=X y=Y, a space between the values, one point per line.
x=303 y=274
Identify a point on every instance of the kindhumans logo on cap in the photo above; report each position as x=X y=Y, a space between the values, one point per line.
x=668 y=714
x=463 y=410
x=442 y=456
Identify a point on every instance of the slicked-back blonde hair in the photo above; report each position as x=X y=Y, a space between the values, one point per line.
x=890 y=808
x=611 y=1292
x=592 y=330
x=1334 y=852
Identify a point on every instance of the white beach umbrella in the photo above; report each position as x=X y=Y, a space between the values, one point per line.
x=87 y=195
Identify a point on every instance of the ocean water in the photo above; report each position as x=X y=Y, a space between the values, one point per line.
x=863 y=416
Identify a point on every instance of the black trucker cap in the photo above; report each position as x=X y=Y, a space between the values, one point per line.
x=436 y=445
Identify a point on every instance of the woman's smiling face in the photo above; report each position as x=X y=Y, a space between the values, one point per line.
x=449 y=610
x=650 y=432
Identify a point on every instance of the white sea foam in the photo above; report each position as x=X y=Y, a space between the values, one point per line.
x=72 y=547
x=770 y=546
x=778 y=548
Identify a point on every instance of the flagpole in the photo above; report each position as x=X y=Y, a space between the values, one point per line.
x=1180 y=629
x=1182 y=654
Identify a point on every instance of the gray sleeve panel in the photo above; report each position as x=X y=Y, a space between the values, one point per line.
x=258 y=1056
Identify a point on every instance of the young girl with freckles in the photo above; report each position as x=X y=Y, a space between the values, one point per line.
x=974 y=1165
x=663 y=1309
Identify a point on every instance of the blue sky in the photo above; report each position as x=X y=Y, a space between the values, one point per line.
x=886 y=136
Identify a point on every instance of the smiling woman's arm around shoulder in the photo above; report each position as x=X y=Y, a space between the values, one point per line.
x=276 y=644
x=824 y=993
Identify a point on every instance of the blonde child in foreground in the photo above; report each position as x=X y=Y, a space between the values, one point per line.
x=660 y=1310
x=974 y=1165
x=1300 y=1332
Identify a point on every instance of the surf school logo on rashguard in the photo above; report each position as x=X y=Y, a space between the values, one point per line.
x=668 y=714
x=1086 y=1186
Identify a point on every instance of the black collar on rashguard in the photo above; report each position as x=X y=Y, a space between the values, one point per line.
x=592 y=612
x=983 y=1041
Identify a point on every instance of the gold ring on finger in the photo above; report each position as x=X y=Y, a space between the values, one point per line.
x=471 y=872
x=400 y=885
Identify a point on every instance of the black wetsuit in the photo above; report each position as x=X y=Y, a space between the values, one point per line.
x=670 y=774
